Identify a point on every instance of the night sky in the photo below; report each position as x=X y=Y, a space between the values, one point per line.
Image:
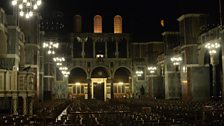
x=140 y=17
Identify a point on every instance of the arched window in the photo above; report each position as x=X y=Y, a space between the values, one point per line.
x=117 y=24
x=97 y=24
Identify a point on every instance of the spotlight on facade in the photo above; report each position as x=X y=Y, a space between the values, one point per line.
x=152 y=69
x=176 y=60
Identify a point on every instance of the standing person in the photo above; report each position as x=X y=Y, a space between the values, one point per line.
x=142 y=91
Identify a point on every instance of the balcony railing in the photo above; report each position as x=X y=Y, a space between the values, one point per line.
x=14 y=81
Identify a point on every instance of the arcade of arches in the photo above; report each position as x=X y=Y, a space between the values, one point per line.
x=100 y=83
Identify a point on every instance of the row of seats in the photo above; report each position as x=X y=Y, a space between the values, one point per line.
x=125 y=112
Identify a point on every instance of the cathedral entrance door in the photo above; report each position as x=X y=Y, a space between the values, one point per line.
x=98 y=87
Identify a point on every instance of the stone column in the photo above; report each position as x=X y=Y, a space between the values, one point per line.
x=222 y=48
x=214 y=83
x=117 y=52
x=83 y=50
x=89 y=88
x=14 y=105
x=24 y=105
x=127 y=49
x=151 y=93
x=105 y=49
x=94 y=51
x=92 y=95
x=172 y=81
x=112 y=88
x=31 y=106
x=3 y=39
x=71 y=51
x=130 y=87
x=105 y=89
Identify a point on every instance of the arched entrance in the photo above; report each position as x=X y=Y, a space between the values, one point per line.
x=77 y=84
x=99 y=83
x=122 y=83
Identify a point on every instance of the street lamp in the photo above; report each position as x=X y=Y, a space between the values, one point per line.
x=51 y=46
x=26 y=7
x=212 y=47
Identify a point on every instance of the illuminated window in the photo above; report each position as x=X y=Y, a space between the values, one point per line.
x=117 y=24
x=97 y=24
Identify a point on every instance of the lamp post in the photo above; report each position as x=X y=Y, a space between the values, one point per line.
x=26 y=8
x=152 y=70
x=212 y=47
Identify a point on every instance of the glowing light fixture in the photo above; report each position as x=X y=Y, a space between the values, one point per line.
x=152 y=69
x=63 y=68
x=139 y=73
x=121 y=83
x=59 y=60
x=26 y=7
x=212 y=46
x=77 y=83
x=176 y=60
x=51 y=46
x=99 y=56
x=65 y=73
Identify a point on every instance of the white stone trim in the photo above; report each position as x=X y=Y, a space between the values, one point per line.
x=182 y=17
x=16 y=56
